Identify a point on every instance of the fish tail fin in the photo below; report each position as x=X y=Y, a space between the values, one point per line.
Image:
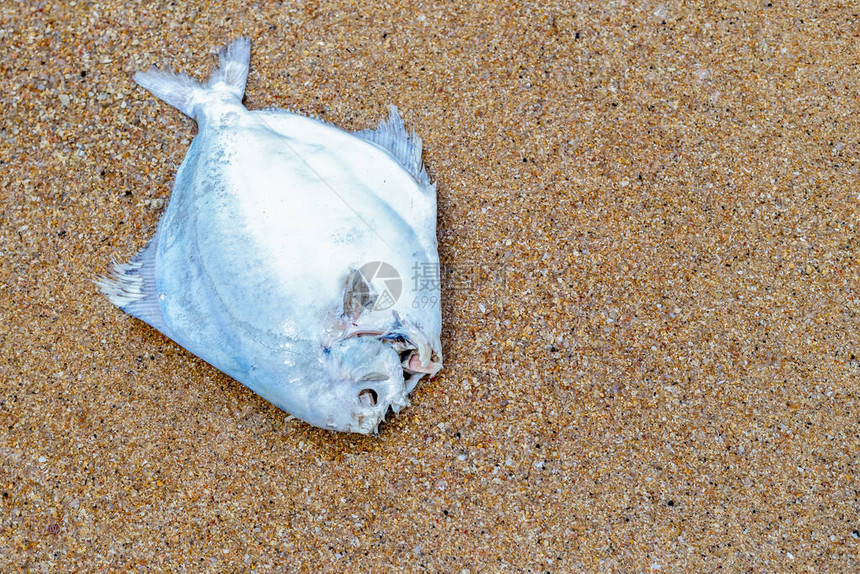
x=232 y=70
x=183 y=92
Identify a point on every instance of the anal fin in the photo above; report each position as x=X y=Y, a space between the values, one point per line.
x=132 y=287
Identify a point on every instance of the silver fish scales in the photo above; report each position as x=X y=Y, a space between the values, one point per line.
x=284 y=254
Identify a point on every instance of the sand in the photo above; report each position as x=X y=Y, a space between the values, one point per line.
x=648 y=221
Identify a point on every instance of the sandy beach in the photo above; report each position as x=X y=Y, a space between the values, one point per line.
x=648 y=226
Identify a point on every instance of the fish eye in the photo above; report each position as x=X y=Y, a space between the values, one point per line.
x=367 y=397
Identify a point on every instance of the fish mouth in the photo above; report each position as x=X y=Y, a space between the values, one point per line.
x=417 y=360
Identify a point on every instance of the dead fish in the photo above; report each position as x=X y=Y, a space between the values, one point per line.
x=298 y=258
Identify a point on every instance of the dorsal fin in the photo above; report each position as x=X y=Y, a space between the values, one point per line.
x=404 y=146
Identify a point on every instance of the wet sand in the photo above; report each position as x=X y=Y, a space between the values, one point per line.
x=648 y=214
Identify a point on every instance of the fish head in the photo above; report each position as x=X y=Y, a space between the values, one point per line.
x=364 y=379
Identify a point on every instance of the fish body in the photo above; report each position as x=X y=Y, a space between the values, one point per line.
x=286 y=253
